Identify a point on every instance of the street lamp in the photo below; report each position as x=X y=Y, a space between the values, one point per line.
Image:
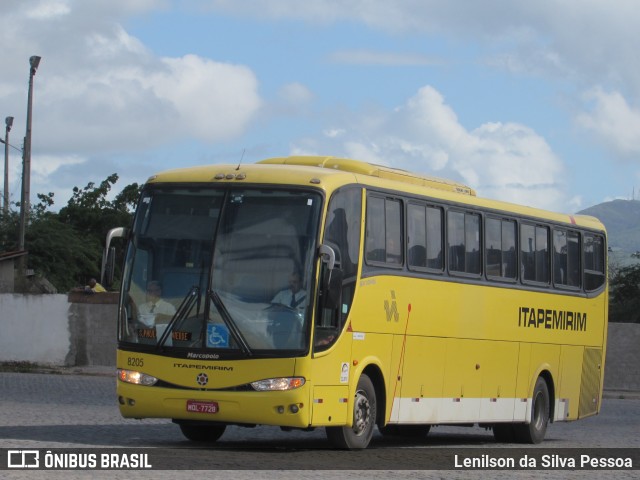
x=34 y=61
x=9 y=123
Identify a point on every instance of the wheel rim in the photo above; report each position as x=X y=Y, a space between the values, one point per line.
x=539 y=412
x=361 y=413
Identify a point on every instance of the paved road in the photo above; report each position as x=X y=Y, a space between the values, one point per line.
x=78 y=411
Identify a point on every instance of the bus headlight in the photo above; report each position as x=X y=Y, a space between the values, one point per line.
x=137 y=378
x=278 y=384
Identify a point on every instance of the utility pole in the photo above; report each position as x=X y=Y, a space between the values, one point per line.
x=26 y=159
x=9 y=123
x=34 y=62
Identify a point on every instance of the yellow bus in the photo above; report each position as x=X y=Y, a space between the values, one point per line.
x=307 y=292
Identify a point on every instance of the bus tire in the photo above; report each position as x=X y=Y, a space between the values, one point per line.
x=202 y=433
x=534 y=431
x=364 y=419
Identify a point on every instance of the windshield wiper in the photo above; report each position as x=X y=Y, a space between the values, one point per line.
x=183 y=310
x=230 y=323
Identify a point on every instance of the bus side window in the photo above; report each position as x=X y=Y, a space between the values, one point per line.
x=384 y=231
x=566 y=258
x=463 y=234
x=534 y=248
x=594 y=263
x=375 y=241
x=424 y=237
x=500 y=249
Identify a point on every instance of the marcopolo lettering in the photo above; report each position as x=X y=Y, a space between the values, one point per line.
x=550 y=319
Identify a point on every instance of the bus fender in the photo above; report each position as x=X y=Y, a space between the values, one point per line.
x=371 y=366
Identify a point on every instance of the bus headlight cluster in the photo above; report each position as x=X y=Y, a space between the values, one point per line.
x=278 y=384
x=137 y=378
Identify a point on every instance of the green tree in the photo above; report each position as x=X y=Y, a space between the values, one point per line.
x=9 y=231
x=92 y=214
x=66 y=247
x=624 y=302
x=60 y=254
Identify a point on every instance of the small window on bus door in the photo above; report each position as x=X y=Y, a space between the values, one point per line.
x=424 y=242
x=594 y=263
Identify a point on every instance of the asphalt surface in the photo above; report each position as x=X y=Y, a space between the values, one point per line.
x=76 y=409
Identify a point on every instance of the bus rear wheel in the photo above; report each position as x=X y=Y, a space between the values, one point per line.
x=201 y=432
x=534 y=432
x=364 y=419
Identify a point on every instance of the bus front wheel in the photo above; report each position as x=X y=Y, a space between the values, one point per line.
x=534 y=432
x=364 y=419
x=202 y=433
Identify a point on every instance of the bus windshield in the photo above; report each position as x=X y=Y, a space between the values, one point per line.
x=227 y=272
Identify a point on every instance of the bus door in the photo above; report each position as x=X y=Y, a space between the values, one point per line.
x=332 y=367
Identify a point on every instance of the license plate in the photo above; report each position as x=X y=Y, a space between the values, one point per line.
x=198 y=406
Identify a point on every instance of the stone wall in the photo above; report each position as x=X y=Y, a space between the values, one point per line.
x=34 y=328
x=622 y=366
x=58 y=330
x=92 y=323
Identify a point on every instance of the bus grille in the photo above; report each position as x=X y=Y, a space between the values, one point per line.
x=590 y=383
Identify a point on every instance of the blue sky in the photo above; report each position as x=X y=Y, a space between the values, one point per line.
x=531 y=102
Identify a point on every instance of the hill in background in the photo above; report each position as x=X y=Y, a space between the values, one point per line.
x=622 y=220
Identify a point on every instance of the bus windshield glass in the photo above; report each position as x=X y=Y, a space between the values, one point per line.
x=225 y=272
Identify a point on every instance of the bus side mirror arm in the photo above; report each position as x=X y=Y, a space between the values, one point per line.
x=332 y=278
x=328 y=255
x=108 y=262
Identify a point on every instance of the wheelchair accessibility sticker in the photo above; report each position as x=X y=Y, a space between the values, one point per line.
x=217 y=336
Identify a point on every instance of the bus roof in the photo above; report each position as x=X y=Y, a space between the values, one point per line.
x=373 y=170
x=331 y=172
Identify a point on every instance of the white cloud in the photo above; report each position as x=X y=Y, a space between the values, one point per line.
x=613 y=120
x=43 y=176
x=295 y=94
x=591 y=39
x=505 y=161
x=102 y=90
x=582 y=42
x=49 y=9
x=333 y=132
x=42 y=166
x=213 y=101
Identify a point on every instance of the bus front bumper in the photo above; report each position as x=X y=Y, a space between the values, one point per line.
x=281 y=408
